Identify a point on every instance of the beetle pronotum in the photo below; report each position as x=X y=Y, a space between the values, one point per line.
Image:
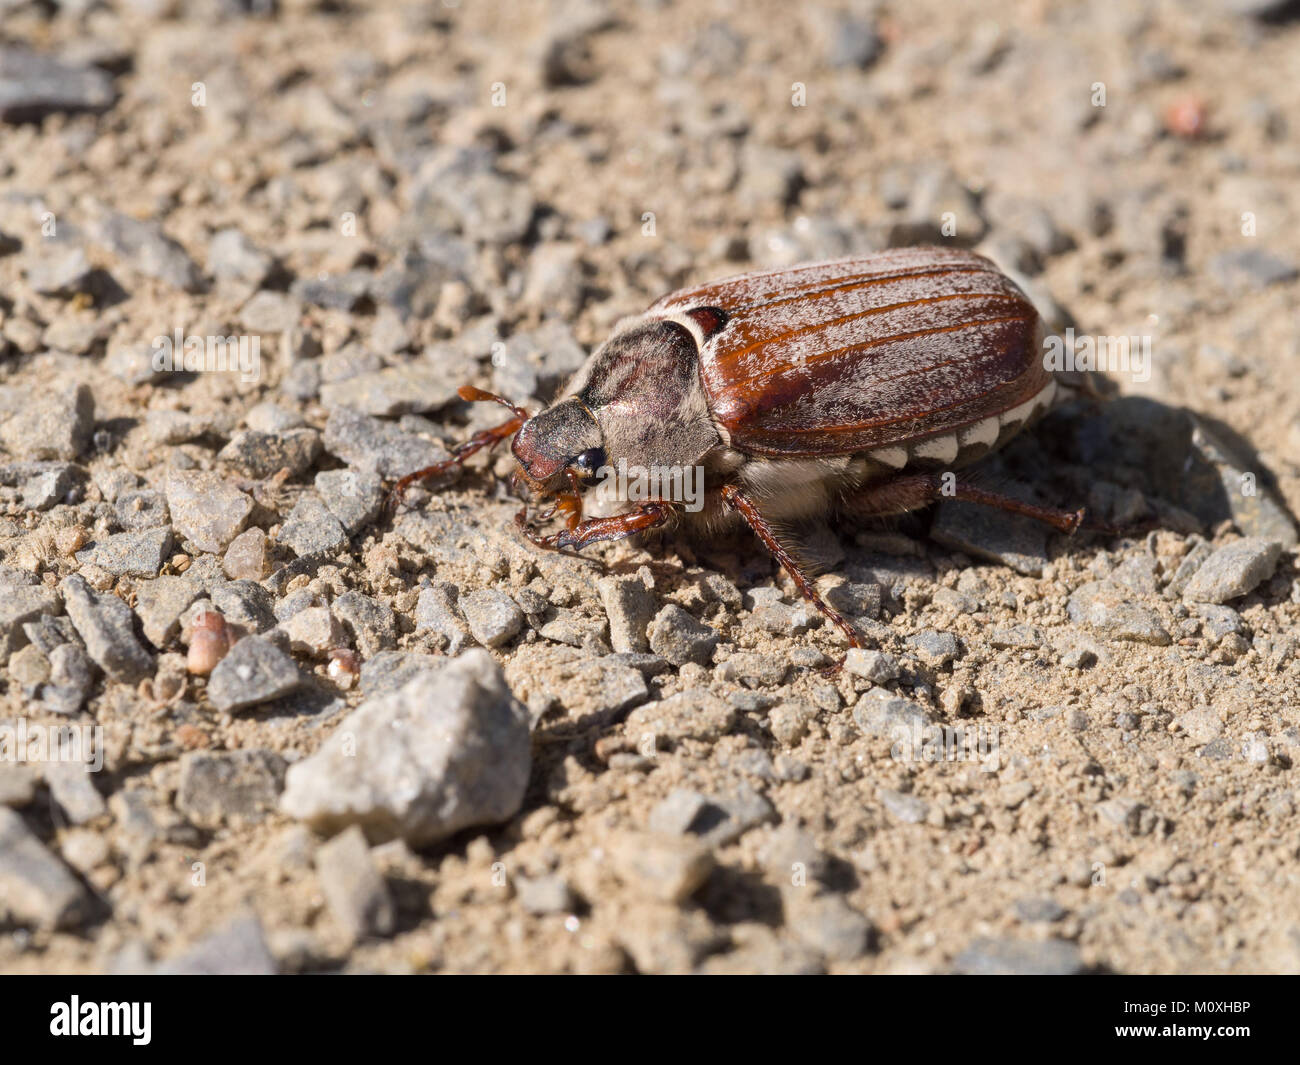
x=847 y=387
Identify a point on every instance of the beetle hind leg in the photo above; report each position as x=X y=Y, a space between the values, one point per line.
x=913 y=491
x=747 y=509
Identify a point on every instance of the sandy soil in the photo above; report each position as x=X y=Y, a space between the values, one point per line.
x=475 y=192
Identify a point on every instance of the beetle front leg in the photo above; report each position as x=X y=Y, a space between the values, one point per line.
x=647 y=516
x=748 y=509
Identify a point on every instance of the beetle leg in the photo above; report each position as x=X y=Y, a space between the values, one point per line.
x=579 y=535
x=738 y=501
x=486 y=438
x=901 y=494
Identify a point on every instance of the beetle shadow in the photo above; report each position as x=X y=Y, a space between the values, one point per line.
x=1132 y=462
x=1135 y=458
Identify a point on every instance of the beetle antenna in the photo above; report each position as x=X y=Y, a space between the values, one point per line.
x=470 y=394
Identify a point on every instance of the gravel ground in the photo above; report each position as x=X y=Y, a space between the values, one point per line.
x=327 y=740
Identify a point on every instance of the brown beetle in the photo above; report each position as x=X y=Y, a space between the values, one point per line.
x=848 y=387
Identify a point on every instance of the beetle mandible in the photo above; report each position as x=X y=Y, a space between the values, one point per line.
x=849 y=387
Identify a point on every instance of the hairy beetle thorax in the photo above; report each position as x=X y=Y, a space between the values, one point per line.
x=643 y=388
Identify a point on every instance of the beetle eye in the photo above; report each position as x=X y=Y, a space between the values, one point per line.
x=589 y=462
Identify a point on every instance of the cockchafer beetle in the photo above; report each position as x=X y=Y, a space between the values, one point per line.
x=853 y=387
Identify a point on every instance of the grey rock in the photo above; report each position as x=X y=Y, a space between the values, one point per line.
x=1191 y=562
x=237 y=949
x=59 y=270
x=342 y=292
x=1017 y=637
x=936 y=649
x=354 y=497
x=72 y=676
x=220 y=787
x=130 y=554
x=390 y=670
x=857 y=599
x=148 y=250
x=675 y=813
x=630 y=607
x=373 y=446
x=271 y=312
x=882 y=713
x=160 y=604
x=909 y=809
x=436 y=756
x=829 y=925
x=715 y=820
x=106 y=624
x=264 y=454
x=544 y=894
x=875 y=666
x=1219 y=621
x=233 y=257
x=407 y=389
x=937 y=192
x=269 y=417
x=246 y=603
x=17 y=785
x=786 y=619
x=1249 y=269
x=435 y=611
x=206 y=509
x=138 y=509
x=21 y=605
x=371 y=623
x=670 y=868
x=987 y=956
x=73 y=789
x=254 y=671
x=677 y=636
x=1219 y=482
x=461 y=186
x=34 y=85
x=312 y=528
x=314 y=631
x=1234 y=570
x=353 y=888
x=848 y=41
x=493 y=617
x=1104 y=607
x=1039 y=909
x=35 y=887
x=411 y=285
x=51 y=424
x=49 y=487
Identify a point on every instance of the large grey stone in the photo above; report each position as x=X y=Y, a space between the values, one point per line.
x=440 y=754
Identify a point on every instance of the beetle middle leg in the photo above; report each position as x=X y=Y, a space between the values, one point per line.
x=486 y=438
x=748 y=509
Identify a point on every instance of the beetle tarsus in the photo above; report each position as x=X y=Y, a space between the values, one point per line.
x=747 y=509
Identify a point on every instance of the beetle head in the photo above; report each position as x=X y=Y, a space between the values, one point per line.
x=558 y=439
